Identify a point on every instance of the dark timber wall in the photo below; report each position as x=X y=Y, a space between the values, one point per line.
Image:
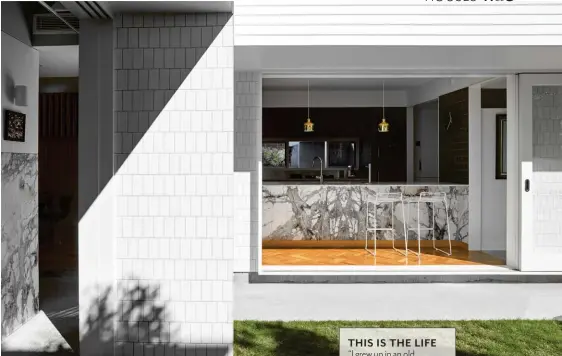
x=453 y=137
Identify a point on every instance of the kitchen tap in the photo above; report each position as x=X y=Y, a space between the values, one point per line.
x=321 y=172
x=349 y=172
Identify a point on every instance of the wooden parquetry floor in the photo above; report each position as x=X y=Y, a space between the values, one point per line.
x=360 y=257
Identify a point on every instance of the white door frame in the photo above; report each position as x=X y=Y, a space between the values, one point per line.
x=475 y=167
x=513 y=187
x=529 y=261
x=513 y=196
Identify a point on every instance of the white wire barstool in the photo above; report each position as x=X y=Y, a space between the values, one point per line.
x=385 y=198
x=432 y=198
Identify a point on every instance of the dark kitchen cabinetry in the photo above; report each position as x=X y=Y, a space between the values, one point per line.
x=385 y=151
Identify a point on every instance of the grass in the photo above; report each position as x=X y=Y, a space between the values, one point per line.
x=474 y=338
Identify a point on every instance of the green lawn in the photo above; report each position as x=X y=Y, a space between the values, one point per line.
x=474 y=338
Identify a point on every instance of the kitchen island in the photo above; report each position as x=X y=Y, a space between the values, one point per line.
x=310 y=211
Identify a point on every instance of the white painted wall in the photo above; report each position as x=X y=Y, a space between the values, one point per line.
x=14 y=22
x=513 y=198
x=334 y=98
x=20 y=66
x=475 y=166
x=441 y=86
x=20 y=272
x=493 y=190
x=387 y=22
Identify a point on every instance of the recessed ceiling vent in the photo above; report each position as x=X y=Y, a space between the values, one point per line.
x=49 y=24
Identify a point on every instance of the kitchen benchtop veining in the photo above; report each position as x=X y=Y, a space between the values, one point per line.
x=358 y=182
x=338 y=211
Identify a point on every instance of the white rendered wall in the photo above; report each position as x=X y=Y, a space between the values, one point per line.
x=174 y=183
x=493 y=190
x=20 y=66
x=20 y=186
x=440 y=86
x=247 y=155
x=14 y=22
x=391 y=22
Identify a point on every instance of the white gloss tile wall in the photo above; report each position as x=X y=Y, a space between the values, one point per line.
x=175 y=187
x=247 y=154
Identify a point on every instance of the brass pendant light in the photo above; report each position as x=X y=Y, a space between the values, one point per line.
x=308 y=125
x=383 y=125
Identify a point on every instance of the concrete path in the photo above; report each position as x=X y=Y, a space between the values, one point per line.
x=419 y=301
x=54 y=331
x=36 y=336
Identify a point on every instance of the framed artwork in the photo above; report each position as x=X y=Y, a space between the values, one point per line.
x=501 y=146
x=14 y=126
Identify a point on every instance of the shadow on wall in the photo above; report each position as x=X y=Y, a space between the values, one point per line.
x=8 y=85
x=148 y=83
x=150 y=109
x=143 y=323
x=143 y=326
x=144 y=95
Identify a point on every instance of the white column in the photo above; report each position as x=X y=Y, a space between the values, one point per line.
x=475 y=167
x=95 y=198
x=513 y=174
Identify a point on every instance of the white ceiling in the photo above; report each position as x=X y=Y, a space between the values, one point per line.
x=58 y=61
x=167 y=6
x=344 y=83
x=404 y=60
x=497 y=83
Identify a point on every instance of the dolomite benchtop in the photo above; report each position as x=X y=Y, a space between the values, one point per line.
x=354 y=182
x=336 y=211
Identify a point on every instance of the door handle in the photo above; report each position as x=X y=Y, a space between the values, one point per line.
x=419 y=165
x=527 y=185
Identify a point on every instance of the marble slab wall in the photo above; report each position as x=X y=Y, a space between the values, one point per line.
x=338 y=212
x=20 y=272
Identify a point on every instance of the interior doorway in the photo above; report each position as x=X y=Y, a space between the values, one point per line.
x=426 y=141
x=58 y=204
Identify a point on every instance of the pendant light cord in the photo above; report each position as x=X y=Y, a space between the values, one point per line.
x=308 y=101
x=383 y=100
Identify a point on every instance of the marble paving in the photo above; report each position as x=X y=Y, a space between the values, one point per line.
x=338 y=212
x=20 y=274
